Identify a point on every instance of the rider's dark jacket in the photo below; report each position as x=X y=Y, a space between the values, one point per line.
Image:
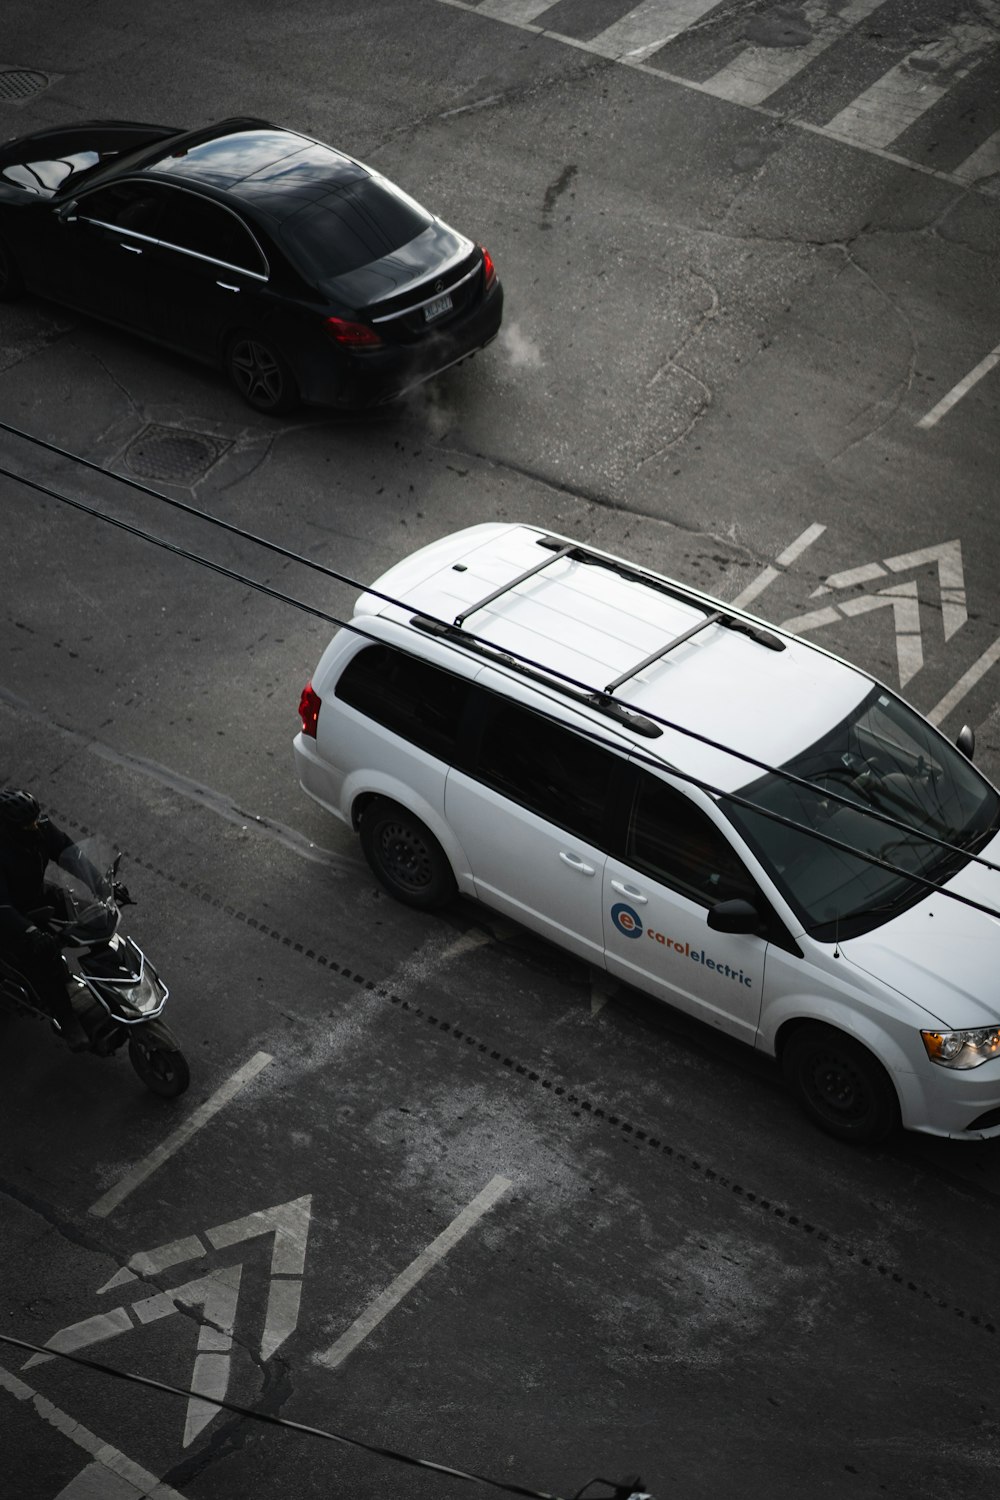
x=24 y=855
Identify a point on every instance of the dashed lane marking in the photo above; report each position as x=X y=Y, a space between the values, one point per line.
x=145 y=1168
x=963 y=388
x=774 y=570
x=414 y=1273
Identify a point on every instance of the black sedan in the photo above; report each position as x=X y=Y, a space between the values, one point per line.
x=305 y=275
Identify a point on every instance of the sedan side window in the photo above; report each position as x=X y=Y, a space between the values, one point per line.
x=126 y=205
x=673 y=840
x=207 y=229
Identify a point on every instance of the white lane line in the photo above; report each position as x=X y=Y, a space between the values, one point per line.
x=965 y=683
x=111 y=1463
x=414 y=1273
x=181 y=1136
x=962 y=389
x=785 y=559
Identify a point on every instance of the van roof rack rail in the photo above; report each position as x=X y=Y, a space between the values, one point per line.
x=604 y=702
x=557 y=548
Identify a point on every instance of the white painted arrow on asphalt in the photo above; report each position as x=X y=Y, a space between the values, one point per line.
x=901 y=598
x=216 y=1292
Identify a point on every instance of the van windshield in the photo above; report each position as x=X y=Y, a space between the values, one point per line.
x=882 y=758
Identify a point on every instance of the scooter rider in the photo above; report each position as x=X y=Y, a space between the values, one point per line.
x=28 y=841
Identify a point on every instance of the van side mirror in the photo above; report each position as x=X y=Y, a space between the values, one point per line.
x=966 y=741
x=734 y=916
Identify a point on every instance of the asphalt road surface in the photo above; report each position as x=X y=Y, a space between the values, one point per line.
x=434 y=1188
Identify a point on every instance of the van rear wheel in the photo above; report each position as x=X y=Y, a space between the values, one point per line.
x=405 y=856
x=840 y=1085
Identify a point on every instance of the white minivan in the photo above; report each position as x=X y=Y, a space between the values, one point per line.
x=719 y=813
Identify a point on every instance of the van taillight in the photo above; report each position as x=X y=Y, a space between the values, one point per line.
x=309 y=706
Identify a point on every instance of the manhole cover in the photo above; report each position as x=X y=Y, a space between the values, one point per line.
x=20 y=83
x=173 y=454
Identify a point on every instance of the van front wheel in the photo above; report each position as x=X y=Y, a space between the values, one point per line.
x=840 y=1085
x=405 y=856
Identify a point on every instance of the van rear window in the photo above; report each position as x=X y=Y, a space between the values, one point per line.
x=419 y=701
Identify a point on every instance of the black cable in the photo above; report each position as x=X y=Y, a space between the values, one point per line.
x=468 y=639
x=277 y=1421
x=636 y=752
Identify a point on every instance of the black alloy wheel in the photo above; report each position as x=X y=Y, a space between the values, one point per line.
x=840 y=1085
x=405 y=856
x=261 y=375
x=11 y=281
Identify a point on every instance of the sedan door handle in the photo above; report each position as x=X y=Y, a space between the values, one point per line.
x=227 y=286
x=629 y=891
x=576 y=863
x=132 y=249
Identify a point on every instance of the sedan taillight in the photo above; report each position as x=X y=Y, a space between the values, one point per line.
x=352 y=335
x=489 y=269
x=309 y=706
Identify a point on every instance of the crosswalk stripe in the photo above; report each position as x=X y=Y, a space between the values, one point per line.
x=901 y=96
x=759 y=71
x=520 y=12
x=874 y=120
x=652 y=24
x=984 y=161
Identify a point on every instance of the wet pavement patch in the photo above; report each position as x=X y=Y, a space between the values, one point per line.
x=173 y=453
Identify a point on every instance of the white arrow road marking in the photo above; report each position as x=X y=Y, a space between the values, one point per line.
x=784 y=560
x=217 y=1293
x=414 y=1273
x=902 y=598
x=951 y=579
x=180 y=1137
x=110 y=1468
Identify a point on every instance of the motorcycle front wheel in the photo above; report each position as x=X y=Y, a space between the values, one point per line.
x=162 y=1069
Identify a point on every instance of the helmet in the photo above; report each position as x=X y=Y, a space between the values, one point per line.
x=17 y=809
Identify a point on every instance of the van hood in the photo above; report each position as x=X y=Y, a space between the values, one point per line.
x=942 y=954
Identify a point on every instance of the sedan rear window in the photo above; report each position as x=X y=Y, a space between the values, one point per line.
x=359 y=223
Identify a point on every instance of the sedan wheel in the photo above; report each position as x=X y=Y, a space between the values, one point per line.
x=261 y=376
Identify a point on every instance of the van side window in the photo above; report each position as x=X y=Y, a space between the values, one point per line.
x=558 y=774
x=672 y=839
x=412 y=698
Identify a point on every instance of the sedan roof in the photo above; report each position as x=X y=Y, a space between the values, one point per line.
x=278 y=170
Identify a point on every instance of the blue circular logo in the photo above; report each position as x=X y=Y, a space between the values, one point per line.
x=626 y=920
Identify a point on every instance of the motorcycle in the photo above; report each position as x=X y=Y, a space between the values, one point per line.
x=114 y=989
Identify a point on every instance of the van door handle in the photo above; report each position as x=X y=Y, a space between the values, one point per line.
x=576 y=863
x=629 y=891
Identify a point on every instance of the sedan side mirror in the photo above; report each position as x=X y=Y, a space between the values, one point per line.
x=966 y=741
x=734 y=916
x=66 y=212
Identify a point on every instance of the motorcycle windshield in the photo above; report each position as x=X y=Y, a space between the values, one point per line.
x=83 y=882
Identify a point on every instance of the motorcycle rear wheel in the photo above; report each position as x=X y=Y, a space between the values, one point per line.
x=162 y=1069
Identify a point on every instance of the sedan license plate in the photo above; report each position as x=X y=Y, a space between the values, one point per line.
x=437 y=307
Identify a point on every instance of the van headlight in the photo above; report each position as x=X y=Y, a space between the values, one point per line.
x=962 y=1049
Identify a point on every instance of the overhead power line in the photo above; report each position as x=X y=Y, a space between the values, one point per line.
x=470 y=643
x=628 y=1490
